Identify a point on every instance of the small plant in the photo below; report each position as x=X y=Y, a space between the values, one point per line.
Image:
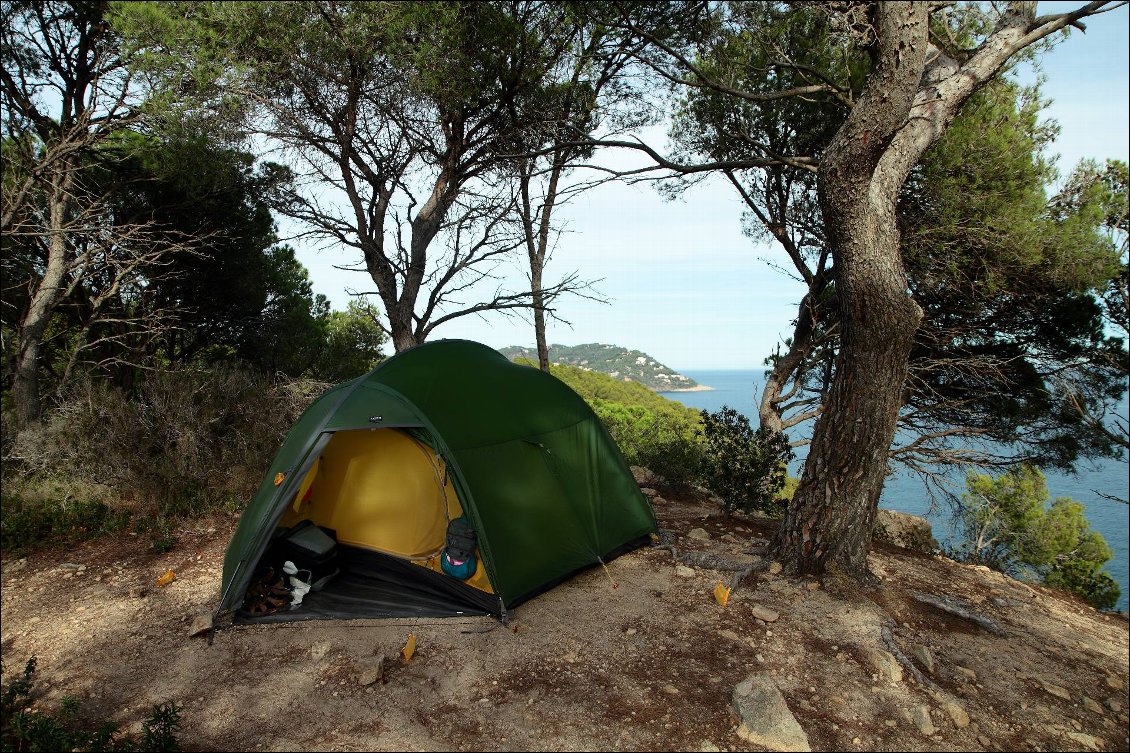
x=26 y=729
x=746 y=468
x=163 y=538
x=159 y=731
x=666 y=441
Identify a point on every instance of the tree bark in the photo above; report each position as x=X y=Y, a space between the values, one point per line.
x=25 y=383
x=786 y=367
x=833 y=510
x=905 y=108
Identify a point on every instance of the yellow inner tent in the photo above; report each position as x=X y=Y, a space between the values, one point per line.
x=382 y=489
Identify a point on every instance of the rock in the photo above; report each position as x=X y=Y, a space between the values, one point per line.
x=924 y=657
x=1113 y=704
x=708 y=747
x=1090 y=742
x=649 y=492
x=699 y=534
x=1113 y=682
x=884 y=663
x=657 y=500
x=920 y=715
x=765 y=614
x=201 y=624
x=907 y=531
x=373 y=673
x=670 y=690
x=646 y=477
x=15 y=567
x=764 y=716
x=730 y=634
x=137 y=592
x=1056 y=690
x=775 y=568
x=320 y=649
x=956 y=713
x=984 y=741
x=684 y=572
x=965 y=674
x=570 y=657
x=1092 y=705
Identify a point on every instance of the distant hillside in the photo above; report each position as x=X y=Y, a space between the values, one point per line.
x=618 y=362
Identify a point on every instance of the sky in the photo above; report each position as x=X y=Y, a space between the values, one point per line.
x=681 y=281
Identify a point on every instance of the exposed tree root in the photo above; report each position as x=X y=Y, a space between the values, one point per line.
x=904 y=660
x=710 y=561
x=960 y=608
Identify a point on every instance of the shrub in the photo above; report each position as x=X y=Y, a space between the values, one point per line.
x=651 y=430
x=23 y=729
x=1007 y=524
x=746 y=468
x=25 y=521
x=668 y=442
x=186 y=441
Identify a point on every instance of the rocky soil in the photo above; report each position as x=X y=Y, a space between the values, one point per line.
x=639 y=657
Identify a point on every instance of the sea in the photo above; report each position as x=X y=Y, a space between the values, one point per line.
x=907 y=492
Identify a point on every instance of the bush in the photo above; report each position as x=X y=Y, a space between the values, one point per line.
x=1007 y=524
x=23 y=729
x=746 y=468
x=651 y=430
x=665 y=441
x=187 y=441
x=26 y=521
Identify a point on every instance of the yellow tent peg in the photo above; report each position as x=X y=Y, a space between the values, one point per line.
x=721 y=593
x=409 y=648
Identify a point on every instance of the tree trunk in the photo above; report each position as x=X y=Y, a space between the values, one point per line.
x=787 y=366
x=831 y=515
x=25 y=386
x=539 y=323
x=538 y=248
x=833 y=511
x=400 y=322
x=905 y=108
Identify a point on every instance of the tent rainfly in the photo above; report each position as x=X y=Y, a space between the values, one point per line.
x=446 y=431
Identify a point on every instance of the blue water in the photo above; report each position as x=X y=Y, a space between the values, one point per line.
x=906 y=492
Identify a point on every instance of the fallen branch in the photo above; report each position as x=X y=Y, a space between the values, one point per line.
x=710 y=561
x=904 y=660
x=960 y=608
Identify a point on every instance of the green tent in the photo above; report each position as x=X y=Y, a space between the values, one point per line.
x=448 y=430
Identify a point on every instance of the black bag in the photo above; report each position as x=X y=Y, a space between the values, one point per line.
x=460 y=539
x=458 y=558
x=312 y=549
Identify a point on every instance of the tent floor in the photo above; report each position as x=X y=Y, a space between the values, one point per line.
x=373 y=584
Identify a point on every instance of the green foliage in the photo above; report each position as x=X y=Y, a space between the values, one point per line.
x=29 y=517
x=1007 y=524
x=186 y=442
x=351 y=343
x=662 y=440
x=595 y=385
x=746 y=468
x=650 y=430
x=24 y=729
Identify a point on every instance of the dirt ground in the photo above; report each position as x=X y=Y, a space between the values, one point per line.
x=640 y=657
